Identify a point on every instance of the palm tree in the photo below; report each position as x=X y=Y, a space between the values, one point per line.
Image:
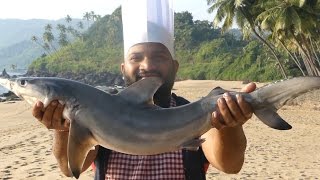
x=68 y=19
x=35 y=39
x=62 y=35
x=295 y=24
x=48 y=37
x=87 y=17
x=242 y=12
x=13 y=67
x=80 y=25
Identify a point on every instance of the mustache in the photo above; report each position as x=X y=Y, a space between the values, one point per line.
x=143 y=74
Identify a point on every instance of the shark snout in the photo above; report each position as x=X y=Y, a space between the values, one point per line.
x=6 y=83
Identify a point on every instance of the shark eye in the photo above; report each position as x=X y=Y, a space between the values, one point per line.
x=23 y=82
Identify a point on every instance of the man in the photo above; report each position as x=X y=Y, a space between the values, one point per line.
x=152 y=55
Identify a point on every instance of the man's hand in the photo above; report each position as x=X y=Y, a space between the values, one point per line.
x=51 y=116
x=231 y=113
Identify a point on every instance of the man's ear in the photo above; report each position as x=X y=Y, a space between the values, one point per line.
x=122 y=67
x=175 y=66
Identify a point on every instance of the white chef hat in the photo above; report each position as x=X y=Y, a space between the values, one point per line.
x=148 y=21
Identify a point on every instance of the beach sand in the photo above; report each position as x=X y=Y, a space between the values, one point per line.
x=25 y=145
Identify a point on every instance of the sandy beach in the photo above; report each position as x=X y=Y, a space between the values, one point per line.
x=25 y=145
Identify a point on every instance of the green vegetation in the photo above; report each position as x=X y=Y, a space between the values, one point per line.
x=202 y=50
x=97 y=50
x=290 y=26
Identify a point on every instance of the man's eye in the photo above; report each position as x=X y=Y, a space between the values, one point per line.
x=134 y=58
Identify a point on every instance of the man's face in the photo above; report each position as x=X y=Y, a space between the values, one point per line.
x=150 y=59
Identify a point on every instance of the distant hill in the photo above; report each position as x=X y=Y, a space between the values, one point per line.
x=16 y=46
x=20 y=54
x=202 y=51
x=13 y=31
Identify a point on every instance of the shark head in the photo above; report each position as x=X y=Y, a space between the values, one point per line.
x=30 y=89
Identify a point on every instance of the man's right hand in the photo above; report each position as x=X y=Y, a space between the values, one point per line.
x=51 y=116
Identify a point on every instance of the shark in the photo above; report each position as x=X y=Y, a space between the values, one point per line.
x=129 y=121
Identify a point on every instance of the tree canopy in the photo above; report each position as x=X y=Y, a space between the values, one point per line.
x=284 y=26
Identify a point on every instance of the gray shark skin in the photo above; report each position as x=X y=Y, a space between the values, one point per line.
x=129 y=122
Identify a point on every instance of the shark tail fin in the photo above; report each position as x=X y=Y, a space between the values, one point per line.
x=272 y=119
x=79 y=144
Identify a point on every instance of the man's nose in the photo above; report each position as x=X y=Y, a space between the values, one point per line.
x=148 y=64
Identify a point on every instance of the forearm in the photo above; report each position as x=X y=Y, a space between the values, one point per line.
x=60 y=150
x=225 y=144
x=231 y=146
x=52 y=119
x=225 y=148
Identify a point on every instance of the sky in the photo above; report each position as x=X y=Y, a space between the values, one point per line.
x=57 y=9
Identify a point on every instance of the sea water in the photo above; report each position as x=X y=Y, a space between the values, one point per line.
x=2 y=90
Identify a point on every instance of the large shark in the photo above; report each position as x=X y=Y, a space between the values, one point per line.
x=129 y=122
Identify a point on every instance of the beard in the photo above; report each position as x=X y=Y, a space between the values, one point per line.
x=163 y=90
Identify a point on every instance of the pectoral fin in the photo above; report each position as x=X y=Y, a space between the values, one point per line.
x=272 y=119
x=79 y=144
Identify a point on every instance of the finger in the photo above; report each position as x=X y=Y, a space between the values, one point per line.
x=48 y=114
x=227 y=117
x=249 y=88
x=37 y=110
x=66 y=123
x=234 y=109
x=57 y=119
x=216 y=121
x=245 y=107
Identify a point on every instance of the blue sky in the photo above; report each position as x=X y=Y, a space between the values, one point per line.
x=56 y=9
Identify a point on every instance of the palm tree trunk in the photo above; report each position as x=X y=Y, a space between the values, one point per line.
x=272 y=50
x=314 y=51
x=305 y=62
x=264 y=41
x=310 y=65
x=48 y=52
x=296 y=61
x=318 y=49
x=308 y=49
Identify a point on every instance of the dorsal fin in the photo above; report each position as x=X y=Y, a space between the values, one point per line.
x=142 y=91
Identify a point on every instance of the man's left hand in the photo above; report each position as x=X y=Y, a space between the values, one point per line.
x=230 y=112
